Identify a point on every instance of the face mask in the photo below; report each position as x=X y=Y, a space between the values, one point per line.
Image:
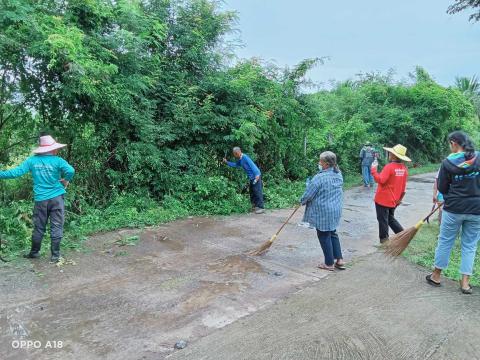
x=320 y=168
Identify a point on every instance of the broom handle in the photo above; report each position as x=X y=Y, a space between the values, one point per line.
x=286 y=222
x=432 y=212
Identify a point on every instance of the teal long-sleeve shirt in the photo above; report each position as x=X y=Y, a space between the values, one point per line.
x=46 y=170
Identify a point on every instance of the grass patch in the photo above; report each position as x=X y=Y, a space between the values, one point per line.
x=128 y=241
x=421 y=251
x=353 y=180
x=424 y=169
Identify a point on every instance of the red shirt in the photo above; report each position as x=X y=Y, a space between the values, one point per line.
x=392 y=183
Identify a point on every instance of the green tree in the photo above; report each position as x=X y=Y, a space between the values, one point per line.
x=418 y=115
x=470 y=87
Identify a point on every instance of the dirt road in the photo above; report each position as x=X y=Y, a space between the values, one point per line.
x=183 y=280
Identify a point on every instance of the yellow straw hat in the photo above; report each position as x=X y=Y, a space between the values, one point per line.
x=399 y=151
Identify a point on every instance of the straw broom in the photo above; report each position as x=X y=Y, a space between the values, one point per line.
x=399 y=242
x=266 y=245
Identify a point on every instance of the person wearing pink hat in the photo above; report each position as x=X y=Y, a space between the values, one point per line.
x=51 y=175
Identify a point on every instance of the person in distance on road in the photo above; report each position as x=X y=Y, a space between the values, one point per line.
x=368 y=155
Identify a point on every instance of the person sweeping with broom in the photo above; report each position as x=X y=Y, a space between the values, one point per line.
x=323 y=198
x=392 y=183
x=51 y=176
x=459 y=182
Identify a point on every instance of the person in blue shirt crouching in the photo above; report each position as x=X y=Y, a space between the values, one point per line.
x=51 y=176
x=254 y=177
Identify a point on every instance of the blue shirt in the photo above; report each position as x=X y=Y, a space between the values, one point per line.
x=324 y=200
x=248 y=165
x=47 y=170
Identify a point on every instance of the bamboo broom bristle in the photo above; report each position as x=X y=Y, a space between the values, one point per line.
x=264 y=247
x=399 y=242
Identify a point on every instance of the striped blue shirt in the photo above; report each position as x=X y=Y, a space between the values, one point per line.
x=324 y=200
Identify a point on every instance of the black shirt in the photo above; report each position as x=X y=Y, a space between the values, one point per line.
x=460 y=187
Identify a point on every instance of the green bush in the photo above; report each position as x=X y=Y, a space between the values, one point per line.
x=208 y=195
x=16 y=226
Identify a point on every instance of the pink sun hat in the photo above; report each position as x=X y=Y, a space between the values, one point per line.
x=47 y=144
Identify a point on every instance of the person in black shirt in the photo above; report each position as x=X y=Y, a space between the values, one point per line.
x=459 y=182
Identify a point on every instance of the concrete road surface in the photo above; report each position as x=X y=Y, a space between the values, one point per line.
x=378 y=309
x=192 y=280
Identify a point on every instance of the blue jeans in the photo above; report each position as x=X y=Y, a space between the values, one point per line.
x=449 y=229
x=330 y=244
x=367 y=175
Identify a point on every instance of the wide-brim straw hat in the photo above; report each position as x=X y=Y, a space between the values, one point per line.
x=399 y=151
x=47 y=144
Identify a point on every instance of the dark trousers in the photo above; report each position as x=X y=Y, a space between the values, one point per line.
x=386 y=219
x=53 y=209
x=330 y=244
x=256 y=194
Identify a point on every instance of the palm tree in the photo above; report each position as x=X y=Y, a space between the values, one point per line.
x=470 y=87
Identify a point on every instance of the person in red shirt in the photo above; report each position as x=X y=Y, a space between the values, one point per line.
x=392 y=183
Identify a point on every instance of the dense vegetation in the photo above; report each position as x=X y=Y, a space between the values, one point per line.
x=145 y=94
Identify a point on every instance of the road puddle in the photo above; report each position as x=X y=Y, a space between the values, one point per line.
x=236 y=265
x=208 y=291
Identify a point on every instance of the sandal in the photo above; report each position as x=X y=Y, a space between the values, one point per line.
x=340 y=266
x=326 y=267
x=468 y=291
x=432 y=282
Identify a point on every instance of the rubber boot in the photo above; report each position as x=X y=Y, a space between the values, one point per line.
x=35 y=250
x=55 y=248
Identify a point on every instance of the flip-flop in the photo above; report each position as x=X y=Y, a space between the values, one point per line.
x=340 y=267
x=326 y=267
x=432 y=282
x=468 y=291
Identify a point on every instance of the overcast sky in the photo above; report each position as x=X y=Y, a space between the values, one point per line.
x=360 y=36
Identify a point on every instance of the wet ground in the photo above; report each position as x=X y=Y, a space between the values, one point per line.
x=379 y=309
x=134 y=293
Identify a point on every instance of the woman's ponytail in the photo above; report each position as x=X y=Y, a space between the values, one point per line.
x=464 y=141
